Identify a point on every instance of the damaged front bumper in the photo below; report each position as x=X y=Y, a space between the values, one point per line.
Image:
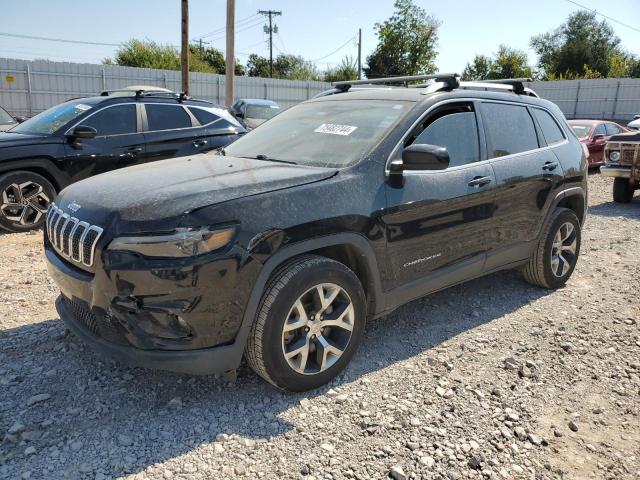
x=179 y=317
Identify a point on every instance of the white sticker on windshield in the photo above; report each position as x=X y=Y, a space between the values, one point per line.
x=83 y=107
x=334 y=129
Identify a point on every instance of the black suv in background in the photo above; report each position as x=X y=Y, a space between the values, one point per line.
x=339 y=209
x=87 y=136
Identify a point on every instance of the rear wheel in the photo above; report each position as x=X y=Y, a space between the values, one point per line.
x=622 y=190
x=24 y=198
x=309 y=324
x=555 y=257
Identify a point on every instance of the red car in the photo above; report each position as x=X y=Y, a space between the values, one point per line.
x=594 y=135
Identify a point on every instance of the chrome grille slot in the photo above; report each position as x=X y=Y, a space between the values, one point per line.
x=71 y=238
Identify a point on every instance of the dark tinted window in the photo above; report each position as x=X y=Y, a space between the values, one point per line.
x=167 y=117
x=600 y=130
x=509 y=129
x=204 y=116
x=116 y=120
x=550 y=129
x=458 y=133
x=613 y=129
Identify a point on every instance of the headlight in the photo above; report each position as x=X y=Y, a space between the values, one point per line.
x=184 y=242
x=614 y=156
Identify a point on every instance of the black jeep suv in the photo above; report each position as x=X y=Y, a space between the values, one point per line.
x=337 y=210
x=87 y=136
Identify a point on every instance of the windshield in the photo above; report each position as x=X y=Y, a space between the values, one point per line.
x=324 y=134
x=580 y=130
x=264 y=112
x=49 y=121
x=5 y=118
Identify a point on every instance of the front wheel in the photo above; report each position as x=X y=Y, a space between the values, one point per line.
x=309 y=325
x=24 y=198
x=622 y=190
x=555 y=257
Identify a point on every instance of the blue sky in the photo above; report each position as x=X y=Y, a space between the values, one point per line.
x=310 y=28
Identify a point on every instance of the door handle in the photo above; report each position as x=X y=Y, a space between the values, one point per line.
x=550 y=166
x=135 y=150
x=199 y=143
x=480 y=181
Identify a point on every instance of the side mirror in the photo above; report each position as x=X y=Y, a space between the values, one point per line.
x=82 y=131
x=598 y=138
x=425 y=157
x=239 y=115
x=20 y=119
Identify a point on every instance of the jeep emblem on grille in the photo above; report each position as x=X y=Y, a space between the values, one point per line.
x=74 y=207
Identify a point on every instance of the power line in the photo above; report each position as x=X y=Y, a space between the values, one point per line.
x=243 y=29
x=605 y=16
x=336 y=50
x=220 y=30
x=61 y=40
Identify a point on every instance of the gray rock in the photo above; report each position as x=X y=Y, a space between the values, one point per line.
x=397 y=473
x=38 y=398
x=573 y=426
x=124 y=440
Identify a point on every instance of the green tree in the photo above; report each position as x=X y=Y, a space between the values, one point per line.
x=508 y=63
x=406 y=43
x=290 y=67
x=579 y=46
x=478 y=69
x=347 y=70
x=148 y=54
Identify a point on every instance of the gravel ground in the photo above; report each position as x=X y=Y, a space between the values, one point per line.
x=491 y=379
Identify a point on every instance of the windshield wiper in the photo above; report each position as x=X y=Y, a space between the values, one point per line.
x=265 y=157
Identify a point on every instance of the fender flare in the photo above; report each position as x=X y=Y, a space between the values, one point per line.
x=352 y=239
x=569 y=192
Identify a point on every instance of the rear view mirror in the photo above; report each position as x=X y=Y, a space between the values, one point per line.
x=82 y=131
x=425 y=157
x=20 y=119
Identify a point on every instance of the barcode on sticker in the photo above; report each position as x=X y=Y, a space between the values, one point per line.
x=334 y=129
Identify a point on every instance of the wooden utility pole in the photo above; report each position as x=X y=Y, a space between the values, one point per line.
x=270 y=14
x=230 y=60
x=185 y=46
x=359 y=54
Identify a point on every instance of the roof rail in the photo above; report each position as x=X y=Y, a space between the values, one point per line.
x=452 y=80
x=515 y=85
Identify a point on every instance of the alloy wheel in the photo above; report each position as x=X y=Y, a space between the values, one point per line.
x=24 y=204
x=563 y=249
x=318 y=329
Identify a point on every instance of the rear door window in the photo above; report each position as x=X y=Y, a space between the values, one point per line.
x=509 y=129
x=117 y=120
x=167 y=117
x=550 y=129
x=613 y=129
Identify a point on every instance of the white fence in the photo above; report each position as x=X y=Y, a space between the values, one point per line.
x=29 y=87
x=610 y=98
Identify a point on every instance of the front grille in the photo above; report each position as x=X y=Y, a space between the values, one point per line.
x=101 y=325
x=628 y=156
x=71 y=238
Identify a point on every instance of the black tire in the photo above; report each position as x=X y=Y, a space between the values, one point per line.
x=265 y=351
x=622 y=190
x=15 y=188
x=540 y=270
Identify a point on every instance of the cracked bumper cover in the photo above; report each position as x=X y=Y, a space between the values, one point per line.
x=194 y=362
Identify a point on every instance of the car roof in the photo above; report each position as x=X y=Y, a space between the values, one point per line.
x=257 y=101
x=419 y=95
x=93 y=101
x=587 y=123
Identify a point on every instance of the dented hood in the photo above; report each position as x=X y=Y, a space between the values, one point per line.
x=149 y=194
